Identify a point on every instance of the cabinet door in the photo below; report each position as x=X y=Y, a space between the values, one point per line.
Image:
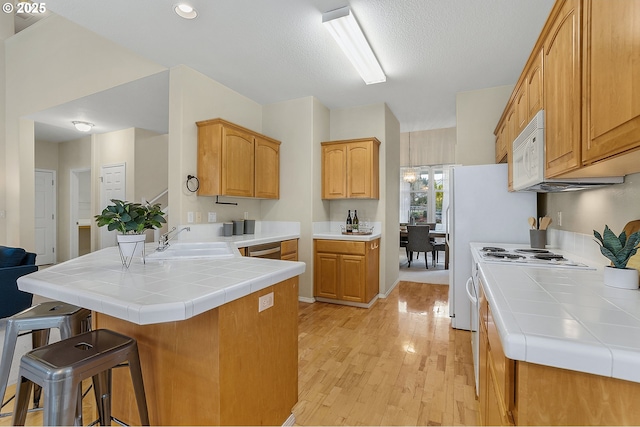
x=612 y=78
x=521 y=109
x=326 y=275
x=511 y=135
x=267 y=179
x=562 y=91
x=237 y=162
x=334 y=171
x=352 y=278
x=361 y=176
x=534 y=85
x=209 y=158
x=483 y=374
x=501 y=143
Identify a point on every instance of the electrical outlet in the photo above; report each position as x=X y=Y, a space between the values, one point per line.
x=265 y=301
x=559 y=219
x=3 y=214
x=246 y=215
x=190 y=217
x=198 y=217
x=211 y=217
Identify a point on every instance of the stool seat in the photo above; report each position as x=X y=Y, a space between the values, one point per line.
x=68 y=318
x=59 y=369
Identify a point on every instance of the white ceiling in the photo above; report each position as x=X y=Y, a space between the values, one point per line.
x=278 y=50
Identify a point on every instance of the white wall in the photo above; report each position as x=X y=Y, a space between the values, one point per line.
x=195 y=97
x=428 y=147
x=293 y=123
x=50 y=63
x=477 y=115
x=6 y=31
x=378 y=121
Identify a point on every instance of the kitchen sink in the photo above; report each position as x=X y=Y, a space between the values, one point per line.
x=194 y=250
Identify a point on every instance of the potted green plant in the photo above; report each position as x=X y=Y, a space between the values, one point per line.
x=619 y=249
x=131 y=220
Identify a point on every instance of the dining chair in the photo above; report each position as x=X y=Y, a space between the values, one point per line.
x=418 y=241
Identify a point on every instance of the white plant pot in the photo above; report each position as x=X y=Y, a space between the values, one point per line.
x=130 y=245
x=624 y=278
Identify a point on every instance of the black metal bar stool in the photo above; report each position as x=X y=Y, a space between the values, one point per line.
x=40 y=319
x=59 y=369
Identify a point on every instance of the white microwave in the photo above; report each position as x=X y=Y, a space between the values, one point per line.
x=528 y=164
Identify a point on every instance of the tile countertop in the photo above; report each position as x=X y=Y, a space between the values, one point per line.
x=565 y=318
x=265 y=232
x=157 y=291
x=330 y=230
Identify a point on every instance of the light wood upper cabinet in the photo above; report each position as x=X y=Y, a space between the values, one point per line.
x=612 y=78
x=267 y=171
x=234 y=161
x=521 y=108
x=350 y=169
x=238 y=158
x=534 y=84
x=562 y=101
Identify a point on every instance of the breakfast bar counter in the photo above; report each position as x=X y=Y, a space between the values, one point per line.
x=217 y=337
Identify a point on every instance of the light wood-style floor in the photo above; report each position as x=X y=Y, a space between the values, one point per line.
x=397 y=363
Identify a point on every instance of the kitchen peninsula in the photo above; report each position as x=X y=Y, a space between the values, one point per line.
x=209 y=356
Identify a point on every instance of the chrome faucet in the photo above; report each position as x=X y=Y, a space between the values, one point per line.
x=164 y=239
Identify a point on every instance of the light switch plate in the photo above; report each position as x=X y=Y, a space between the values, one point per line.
x=190 y=217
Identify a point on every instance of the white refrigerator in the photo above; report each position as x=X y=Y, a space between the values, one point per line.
x=480 y=209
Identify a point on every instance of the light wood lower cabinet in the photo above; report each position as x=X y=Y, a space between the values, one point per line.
x=346 y=270
x=231 y=365
x=521 y=393
x=289 y=250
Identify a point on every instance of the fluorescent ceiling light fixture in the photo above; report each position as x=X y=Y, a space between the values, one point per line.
x=345 y=30
x=82 y=126
x=185 y=11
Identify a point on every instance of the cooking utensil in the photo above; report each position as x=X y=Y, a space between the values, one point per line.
x=532 y=222
x=544 y=222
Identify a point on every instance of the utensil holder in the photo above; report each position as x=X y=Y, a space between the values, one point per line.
x=227 y=229
x=538 y=238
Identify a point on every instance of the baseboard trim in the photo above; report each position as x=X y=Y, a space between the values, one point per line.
x=349 y=303
x=306 y=299
x=290 y=421
x=386 y=294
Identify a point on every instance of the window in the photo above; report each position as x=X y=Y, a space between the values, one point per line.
x=421 y=200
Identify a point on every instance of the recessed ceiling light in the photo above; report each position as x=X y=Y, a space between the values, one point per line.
x=185 y=11
x=82 y=126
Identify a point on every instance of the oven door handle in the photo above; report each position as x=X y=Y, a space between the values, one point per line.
x=473 y=299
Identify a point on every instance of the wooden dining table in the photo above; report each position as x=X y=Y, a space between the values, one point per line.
x=435 y=234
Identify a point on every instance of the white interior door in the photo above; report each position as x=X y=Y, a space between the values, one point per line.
x=45 y=220
x=113 y=178
x=80 y=208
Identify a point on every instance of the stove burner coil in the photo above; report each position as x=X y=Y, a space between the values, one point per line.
x=550 y=256
x=502 y=255
x=491 y=249
x=533 y=251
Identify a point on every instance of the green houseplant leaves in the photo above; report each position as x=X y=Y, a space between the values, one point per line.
x=617 y=248
x=130 y=218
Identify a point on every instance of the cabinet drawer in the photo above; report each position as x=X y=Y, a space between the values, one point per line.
x=341 y=247
x=289 y=246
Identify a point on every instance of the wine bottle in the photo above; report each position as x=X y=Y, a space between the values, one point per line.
x=349 y=222
x=356 y=223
